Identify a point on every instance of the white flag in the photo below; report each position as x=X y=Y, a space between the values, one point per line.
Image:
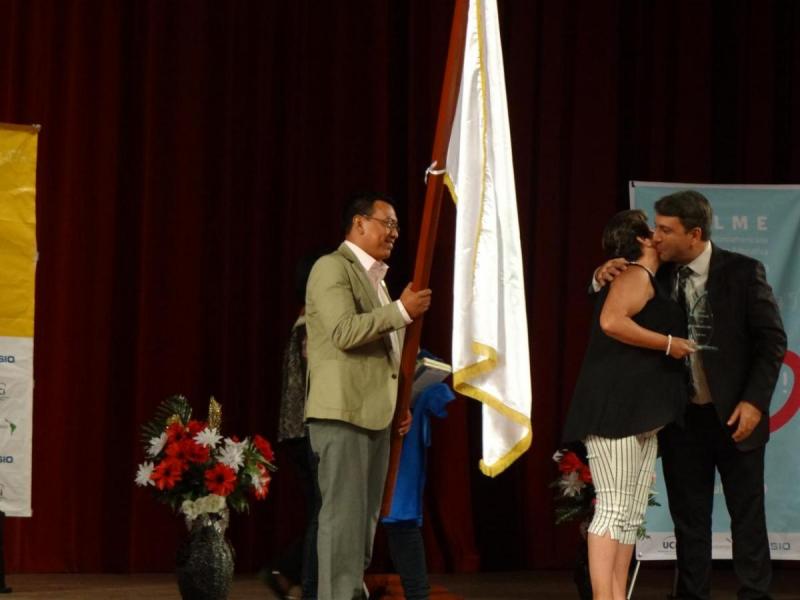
x=491 y=362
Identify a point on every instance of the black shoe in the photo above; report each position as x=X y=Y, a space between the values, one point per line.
x=270 y=579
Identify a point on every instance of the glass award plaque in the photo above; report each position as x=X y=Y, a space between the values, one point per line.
x=701 y=323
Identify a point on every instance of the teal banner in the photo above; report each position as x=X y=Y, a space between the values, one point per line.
x=762 y=222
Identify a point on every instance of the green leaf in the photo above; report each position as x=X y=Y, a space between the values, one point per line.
x=174 y=405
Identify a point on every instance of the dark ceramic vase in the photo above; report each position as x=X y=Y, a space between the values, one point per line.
x=204 y=562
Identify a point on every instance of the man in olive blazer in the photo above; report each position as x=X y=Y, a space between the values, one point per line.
x=354 y=346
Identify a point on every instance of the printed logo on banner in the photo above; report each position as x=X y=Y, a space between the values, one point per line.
x=740 y=223
x=7 y=459
x=11 y=427
x=780 y=546
x=786 y=412
x=668 y=544
x=7 y=358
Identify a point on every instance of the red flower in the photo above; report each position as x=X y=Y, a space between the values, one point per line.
x=179 y=451
x=195 y=427
x=197 y=453
x=261 y=492
x=176 y=432
x=585 y=474
x=220 y=480
x=188 y=451
x=570 y=462
x=167 y=473
x=264 y=448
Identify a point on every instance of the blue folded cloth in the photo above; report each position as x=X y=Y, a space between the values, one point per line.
x=407 y=499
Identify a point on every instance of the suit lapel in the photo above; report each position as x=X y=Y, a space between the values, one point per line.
x=400 y=333
x=714 y=282
x=367 y=291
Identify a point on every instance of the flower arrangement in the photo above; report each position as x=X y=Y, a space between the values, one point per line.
x=576 y=497
x=197 y=472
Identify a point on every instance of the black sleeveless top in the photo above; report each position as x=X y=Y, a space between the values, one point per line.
x=622 y=389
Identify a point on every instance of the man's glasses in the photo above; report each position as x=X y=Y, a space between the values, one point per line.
x=390 y=224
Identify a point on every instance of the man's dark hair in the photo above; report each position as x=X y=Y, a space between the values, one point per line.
x=692 y=209
x=619 y=236
x=362 y=203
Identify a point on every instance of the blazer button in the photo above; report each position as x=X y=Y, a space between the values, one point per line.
x=394 y=375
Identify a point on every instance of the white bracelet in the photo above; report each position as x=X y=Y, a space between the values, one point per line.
x=669 y=344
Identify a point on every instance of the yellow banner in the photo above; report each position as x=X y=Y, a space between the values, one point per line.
x=18 y=146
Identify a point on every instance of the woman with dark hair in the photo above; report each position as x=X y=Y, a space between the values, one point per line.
x=294 y=573
x=632 y=383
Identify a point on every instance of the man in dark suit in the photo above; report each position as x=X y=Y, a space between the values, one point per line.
x=731 y=308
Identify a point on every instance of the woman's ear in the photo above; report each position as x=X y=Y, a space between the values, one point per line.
x=647 y=242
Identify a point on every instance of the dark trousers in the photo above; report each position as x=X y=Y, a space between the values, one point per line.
x=408 y=556
x=299 y=562
x=690 y=455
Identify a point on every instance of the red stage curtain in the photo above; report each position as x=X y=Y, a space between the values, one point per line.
x=192 y=151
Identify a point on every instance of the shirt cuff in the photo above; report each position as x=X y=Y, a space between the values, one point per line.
x=404 y=312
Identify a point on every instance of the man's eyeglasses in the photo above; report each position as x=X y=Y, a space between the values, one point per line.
x=390 y=224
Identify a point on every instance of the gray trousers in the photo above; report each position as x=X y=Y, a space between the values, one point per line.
x=351 y=473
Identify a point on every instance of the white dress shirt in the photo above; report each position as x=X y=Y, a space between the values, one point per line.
x=376 y=272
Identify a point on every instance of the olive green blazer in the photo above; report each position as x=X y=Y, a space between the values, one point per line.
x=351 y=368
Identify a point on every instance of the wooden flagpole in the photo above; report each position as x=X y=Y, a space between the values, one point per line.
x=427 y=235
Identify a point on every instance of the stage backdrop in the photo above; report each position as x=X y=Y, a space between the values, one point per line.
x=762 y=222
x=18 y=265
x=193 y=151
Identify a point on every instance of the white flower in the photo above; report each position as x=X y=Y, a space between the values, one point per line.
x=232 y=454
x=157 y=444
x=571 y=484
x=143 y=474
x=259 y=480
x=241 y=445
x=207 y=504
x=558 y=456
x=208 y=437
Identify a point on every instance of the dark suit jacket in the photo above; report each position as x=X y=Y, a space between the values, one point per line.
x=749 y=334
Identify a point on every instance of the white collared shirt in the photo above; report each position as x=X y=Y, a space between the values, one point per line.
x=376 y=272
x=699 y=267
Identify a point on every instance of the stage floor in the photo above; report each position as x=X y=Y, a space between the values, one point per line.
x=654 y=583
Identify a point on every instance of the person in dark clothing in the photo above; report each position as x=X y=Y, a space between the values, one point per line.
x=631 y=384
x=733 y=315
x=294 y=572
